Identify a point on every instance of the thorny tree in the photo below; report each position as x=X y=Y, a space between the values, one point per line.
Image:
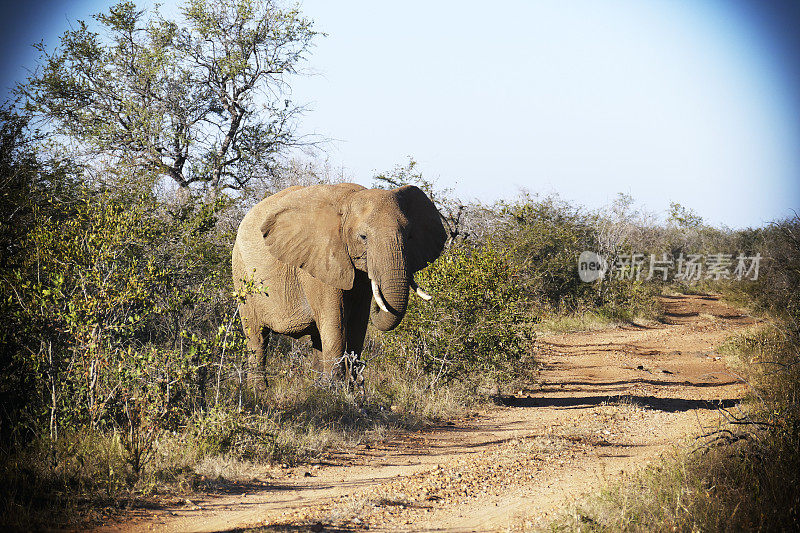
x=203 y=101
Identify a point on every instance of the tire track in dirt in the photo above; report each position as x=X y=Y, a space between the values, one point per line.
x=606 y=402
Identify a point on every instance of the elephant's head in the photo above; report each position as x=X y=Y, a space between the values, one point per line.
x=330 y=231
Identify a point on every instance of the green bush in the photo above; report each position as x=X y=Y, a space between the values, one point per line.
x=116 y=315
x=477 y=321
x=545 y=238
x=776 y=289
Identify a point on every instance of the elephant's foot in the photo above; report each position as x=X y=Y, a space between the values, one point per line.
x=349 y=370
x=257 y=384
x=257 y=380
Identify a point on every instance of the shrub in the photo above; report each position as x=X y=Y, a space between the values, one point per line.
x=545 y=237
x=115 y=312
x=477 y=321
x=776 y=289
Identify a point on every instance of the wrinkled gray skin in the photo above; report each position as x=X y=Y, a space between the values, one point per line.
x=316 y=249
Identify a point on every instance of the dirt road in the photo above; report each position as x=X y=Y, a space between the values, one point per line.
x=607 y=402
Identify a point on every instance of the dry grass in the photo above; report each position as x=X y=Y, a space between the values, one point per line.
x=586 y=321
x=47 y=479
x=589 y=320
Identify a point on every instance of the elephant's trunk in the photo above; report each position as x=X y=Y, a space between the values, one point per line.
x=390 y=286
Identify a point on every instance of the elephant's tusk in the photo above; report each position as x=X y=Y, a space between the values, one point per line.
x=422 y=294
x=376 y=293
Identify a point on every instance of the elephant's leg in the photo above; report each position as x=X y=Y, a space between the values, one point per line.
x=356 y=332
x=253 y=331
x=316 y=344
x=257 y=338
x=328 y=337
x=327 y=353
x=357 y=320
x=357 y=309
x=332 y=337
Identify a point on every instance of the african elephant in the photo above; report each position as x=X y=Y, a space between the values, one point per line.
x=322 y=253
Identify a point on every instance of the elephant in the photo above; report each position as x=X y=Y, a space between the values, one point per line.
x=329 y=258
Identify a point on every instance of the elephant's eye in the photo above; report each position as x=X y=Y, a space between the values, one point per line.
x=362 y=237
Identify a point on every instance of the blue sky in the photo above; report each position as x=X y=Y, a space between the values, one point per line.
x=665 y=100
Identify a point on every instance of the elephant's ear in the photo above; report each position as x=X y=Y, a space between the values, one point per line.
x=427 y=232
x=303 y=229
